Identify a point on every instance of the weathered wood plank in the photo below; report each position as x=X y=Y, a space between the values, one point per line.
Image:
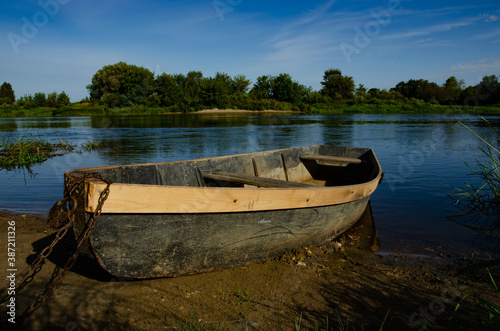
x=252 y=180
x=331 y=159
x=139 y=199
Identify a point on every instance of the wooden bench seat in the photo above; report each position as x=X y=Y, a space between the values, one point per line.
x=331 y=160
x=252 y=180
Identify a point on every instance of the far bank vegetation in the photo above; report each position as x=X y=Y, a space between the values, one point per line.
x=123 y=88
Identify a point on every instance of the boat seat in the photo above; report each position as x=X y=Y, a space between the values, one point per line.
x=252 y=180
x=331 y=160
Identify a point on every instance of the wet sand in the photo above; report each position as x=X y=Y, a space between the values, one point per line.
x=338 y=282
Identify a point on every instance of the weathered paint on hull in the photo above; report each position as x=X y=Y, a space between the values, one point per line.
x=169 y=245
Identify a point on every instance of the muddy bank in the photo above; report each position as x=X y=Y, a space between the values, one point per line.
x=322 y=286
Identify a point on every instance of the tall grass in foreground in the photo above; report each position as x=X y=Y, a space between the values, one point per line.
x=476 y=300
x=479 y=204
x=479 y=207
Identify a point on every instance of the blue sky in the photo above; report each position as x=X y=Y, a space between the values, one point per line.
x=58 y=45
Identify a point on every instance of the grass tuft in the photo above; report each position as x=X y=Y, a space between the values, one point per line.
x=27 y=151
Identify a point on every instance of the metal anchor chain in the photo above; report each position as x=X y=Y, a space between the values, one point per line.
x=61 y=218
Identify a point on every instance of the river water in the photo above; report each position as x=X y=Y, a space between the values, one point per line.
x=422 y=157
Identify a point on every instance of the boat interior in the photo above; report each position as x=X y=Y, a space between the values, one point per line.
x=317 y=165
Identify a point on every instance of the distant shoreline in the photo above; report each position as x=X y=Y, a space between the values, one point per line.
x=344 y=109
x=239 y=111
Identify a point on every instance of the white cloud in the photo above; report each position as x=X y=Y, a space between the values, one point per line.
x=422 y=41
x=481 y=65
x=492 y=34
x=315 y=14
x=490 y=18
x=425 y=31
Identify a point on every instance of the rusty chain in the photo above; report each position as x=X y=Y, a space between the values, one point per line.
x=59 y=217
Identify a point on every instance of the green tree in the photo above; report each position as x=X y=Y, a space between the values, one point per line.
x=488 y=90
x=192 y=90
x=63 y=100
x=374 y=92
x=121 y=84
x=26 y=101
x=169 y=89
x=216 y=90
x=136 y=85
x=335 y=85
x=7 y=95
x=40 y=99
x=283 y=88
x=409 y=89
x=422 y=89
x=452 y=89
x=240 y=84
x=262 y=88
x=106 y=81
x=361 y=91
x=52 y=99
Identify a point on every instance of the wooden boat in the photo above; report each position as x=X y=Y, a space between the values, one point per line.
x=178 y=218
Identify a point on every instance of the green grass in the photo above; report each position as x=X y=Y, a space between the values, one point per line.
x=476 y=300
x=479 y=204
x=90 y=146
x=479 y=208
x=28 y=150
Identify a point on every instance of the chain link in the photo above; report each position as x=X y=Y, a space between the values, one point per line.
x=28 y=274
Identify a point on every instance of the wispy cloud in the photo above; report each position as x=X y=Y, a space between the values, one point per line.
x=425 y=31
x=422 y=41
x=490 y=18
x=481 y=65
x=484 y=36
x=315 y=14
x=297 y=25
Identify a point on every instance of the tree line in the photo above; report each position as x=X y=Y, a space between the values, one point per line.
x=124 y=85
x=40 y=99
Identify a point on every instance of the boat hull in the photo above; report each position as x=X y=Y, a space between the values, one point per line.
x=178 y=218
x=169 y=245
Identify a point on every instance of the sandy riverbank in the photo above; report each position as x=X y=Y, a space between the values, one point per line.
x=317 y=285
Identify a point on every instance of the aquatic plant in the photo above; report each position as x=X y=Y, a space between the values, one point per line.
x=28 y=150
x=479 y=204
x=90 y=145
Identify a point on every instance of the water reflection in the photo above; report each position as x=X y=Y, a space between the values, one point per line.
x=363 y=235
x=196 y=121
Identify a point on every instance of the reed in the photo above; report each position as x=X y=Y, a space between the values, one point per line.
x=90 y=145
x=479 y=204
x=28 y=150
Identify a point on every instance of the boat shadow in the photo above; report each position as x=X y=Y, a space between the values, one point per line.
x=63 y=251
x=363 y=234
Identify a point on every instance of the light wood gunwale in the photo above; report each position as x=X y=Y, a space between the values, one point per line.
x=163 y=199
x=134 y=198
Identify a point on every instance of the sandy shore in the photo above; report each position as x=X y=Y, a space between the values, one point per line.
x=315 y=286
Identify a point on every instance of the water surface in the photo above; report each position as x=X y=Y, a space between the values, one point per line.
x=422 y=156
